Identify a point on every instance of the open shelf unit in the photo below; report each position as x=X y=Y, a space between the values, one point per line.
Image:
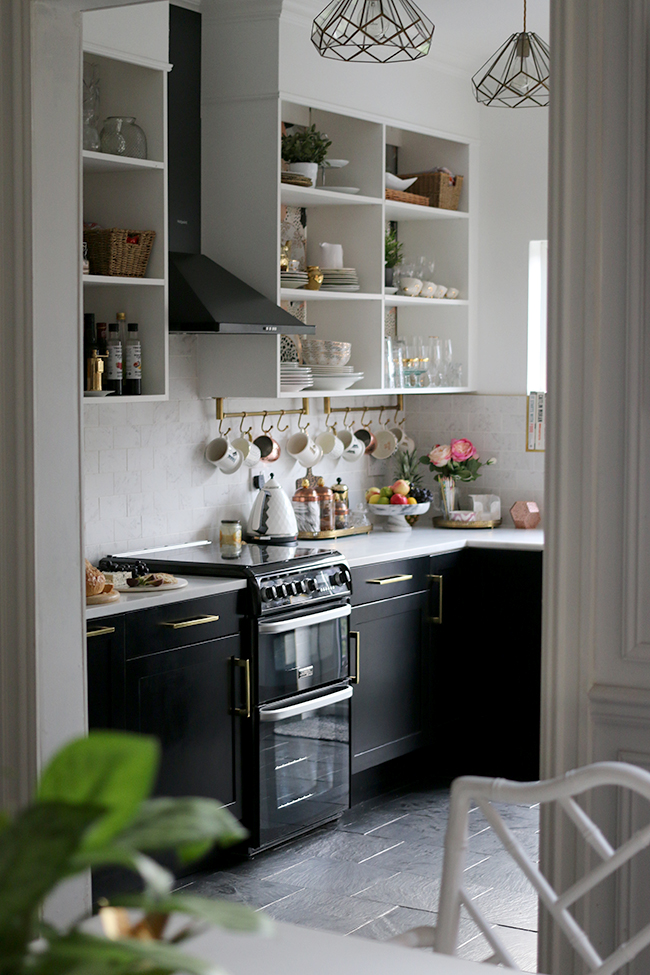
x=243 y=208
x=120 y=191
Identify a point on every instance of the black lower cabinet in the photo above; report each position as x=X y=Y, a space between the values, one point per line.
x=487 y=663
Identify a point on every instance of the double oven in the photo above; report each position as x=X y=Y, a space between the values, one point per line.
x=292 y=685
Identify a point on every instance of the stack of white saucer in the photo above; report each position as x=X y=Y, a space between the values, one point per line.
x=294 y=377
x=335 y=377
x=340 y=279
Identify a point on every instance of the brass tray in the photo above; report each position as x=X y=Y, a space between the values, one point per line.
x=337 y=532
x=443 y=523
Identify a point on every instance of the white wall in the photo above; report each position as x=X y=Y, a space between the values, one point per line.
x=513 y=194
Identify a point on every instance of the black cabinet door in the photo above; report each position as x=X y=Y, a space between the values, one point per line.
x=181 y=697
x=105 y=657
x=388 y=701
x=487 y=660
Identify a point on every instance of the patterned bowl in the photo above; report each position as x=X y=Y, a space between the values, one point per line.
x=323 y=352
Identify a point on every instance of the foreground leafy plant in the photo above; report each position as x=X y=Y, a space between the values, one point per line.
x=91 y=809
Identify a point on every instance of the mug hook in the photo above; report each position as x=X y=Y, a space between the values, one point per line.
x=328 y=426
x=366 y=425
x=301 y=428
x=245 y=433
x=223 y=433
x=285 y=427
x=263 y=422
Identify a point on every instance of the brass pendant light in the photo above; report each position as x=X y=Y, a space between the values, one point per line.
x=372 y=30
x=517 y=74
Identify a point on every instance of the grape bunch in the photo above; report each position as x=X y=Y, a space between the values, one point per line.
x=421 y=494
x=109 y=564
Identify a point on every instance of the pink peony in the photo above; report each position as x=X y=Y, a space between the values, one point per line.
x=462 y=450
x=440 y=455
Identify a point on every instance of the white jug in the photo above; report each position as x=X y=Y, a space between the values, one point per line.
x=331 y=255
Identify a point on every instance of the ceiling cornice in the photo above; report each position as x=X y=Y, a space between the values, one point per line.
x=242 y=10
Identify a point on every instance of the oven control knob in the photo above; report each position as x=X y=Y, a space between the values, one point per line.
x=337 y=578
x=304 y=585
x=312 y=585
x=282 y=590
x=295 y=588
x=268 y=594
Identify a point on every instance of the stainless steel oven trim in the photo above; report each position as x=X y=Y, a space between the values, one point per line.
x=278 y=714
x=285 y=626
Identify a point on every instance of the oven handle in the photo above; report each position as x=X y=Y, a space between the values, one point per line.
x=284 y=626
x=315 y=704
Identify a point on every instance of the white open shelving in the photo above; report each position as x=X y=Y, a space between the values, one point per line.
x=243 y=213
x=120 y=191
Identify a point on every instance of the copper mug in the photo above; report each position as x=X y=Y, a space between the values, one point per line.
x=367 y=438
x=268 y=447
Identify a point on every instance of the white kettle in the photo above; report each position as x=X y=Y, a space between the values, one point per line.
x=272 y=519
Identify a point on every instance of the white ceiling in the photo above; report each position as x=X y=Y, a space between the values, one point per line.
x=469 y=31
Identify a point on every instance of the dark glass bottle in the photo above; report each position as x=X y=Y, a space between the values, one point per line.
x=133 y=382
x=90 y=344
x=114 y=374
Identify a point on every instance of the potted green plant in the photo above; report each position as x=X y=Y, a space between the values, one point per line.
x=305 y=150
x=92 y=809
x=392 y=255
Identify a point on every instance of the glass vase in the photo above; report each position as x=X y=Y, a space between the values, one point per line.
x=121 y=136
x=448 y=493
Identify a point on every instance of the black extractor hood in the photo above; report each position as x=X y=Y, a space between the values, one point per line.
x=203 y=296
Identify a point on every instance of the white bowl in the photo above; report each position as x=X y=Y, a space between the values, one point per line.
x=395 y=183
x=326 y=352
x=337 y=382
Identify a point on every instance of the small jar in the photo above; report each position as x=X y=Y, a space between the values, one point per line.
x=341 y=510
x=306 y=509
x=230 y=538
x=326 y=501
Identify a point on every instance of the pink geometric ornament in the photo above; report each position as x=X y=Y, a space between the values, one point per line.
x=525 y=514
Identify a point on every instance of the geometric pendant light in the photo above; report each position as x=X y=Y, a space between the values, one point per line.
x=517 y=74
x=372 y=30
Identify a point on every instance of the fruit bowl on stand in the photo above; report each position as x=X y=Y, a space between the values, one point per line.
x=394 y=515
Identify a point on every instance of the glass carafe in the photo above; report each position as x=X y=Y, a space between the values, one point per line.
x=122 y=137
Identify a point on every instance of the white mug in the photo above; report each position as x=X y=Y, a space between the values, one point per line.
x=330 y=444
x=303 y=449
x=331 y=255
x=399 y=433
x=386 y=444
x=441 y=291
x=410 y=286
x=223 y=455
x=353 y=449
x=452 y=292
x=249 y=451
x=428 y=289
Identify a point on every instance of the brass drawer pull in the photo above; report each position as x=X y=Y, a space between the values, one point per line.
x=386 y=580
x=354 y=678
x=438 y=579
x=195 y=622
x=244 y=712
x=102 y=631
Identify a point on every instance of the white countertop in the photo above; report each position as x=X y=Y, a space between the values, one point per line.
x=293 y=950
x=378 y=546
x=383 y=546
x=196 y=586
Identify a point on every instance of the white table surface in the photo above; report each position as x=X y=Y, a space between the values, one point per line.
x=196 y=586
x=294 y=950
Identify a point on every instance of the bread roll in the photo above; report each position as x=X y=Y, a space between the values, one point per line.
x=95 y=580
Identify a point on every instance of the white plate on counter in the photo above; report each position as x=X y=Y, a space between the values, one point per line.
x=164 y=587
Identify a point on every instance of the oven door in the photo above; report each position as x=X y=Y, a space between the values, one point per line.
x=304 y=749
x=302 y=652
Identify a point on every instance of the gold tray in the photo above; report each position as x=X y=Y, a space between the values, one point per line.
x=443 y=523
x=337 y=532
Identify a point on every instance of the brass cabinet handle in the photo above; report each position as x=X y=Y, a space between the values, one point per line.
x=244 y=712
x=386 y=580
x=354 y=678
x=102 y=631
x=438 y=579
x=194 y=622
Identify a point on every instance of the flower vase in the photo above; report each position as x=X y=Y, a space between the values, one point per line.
x=448 y=492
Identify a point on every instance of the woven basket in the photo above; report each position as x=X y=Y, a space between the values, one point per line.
x=441 y=190
x=403 y=197
x=122 y=253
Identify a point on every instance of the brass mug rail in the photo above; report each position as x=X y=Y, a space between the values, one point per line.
x=195 y=622
x=438 y=579
x=245 y=665
x=102 y=631
x=387 y=580
x=354 y=678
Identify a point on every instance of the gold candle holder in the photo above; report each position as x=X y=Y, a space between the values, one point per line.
x=315 y=278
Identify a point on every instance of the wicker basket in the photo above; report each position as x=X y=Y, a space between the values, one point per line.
x=442 y=191
x=403 y=197
x=122 y=253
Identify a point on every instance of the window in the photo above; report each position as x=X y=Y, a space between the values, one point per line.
x=537 y=264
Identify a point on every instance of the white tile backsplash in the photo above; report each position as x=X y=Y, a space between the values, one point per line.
x=147 y=482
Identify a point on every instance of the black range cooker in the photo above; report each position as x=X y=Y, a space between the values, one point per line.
x=292 y=685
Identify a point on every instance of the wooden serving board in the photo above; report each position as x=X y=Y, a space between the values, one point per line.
x=103 y=597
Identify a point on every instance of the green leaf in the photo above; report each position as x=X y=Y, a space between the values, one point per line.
x=224 y=914
x=156 y=878
x=90 y=950
x=190 y=826
x=110 y=769
x=35 y=852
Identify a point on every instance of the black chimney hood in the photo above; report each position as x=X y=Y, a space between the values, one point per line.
x=203 y=296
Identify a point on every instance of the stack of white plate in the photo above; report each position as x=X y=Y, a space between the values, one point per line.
x=340 y=279
x=294 y=377
x=335 y=377
x=293 y=279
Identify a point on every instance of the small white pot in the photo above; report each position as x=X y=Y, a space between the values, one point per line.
x=305 y=169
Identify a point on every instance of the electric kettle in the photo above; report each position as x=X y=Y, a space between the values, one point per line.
x=272 y=520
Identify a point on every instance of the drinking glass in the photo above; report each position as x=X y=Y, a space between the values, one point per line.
x=435 y=361
x=447 y=357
